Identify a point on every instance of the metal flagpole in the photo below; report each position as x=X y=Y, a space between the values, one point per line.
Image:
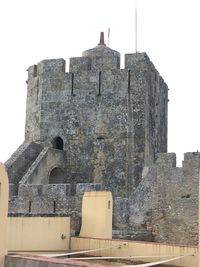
x=135 y=29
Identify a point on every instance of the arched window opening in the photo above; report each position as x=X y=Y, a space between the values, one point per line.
x=56 y=176
x=58 y=143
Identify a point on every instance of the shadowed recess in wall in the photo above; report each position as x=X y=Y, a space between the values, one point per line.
x=56 y=176
x=57 y=143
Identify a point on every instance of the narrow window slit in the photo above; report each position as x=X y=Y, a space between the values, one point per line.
x=129 y=81
x=99 y=94
x=35 y=71
x=54 y=206
x=72 y=89
x=29 y=206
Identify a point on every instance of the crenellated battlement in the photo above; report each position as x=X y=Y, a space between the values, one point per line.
x=84 y=63
x=82 y=77
x=192 y=156
x=49 y=199
x=166 y=159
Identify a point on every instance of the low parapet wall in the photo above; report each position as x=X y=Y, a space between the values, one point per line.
x=123 y=248
x=38 y=234
x=3 y=212
x=49 y=198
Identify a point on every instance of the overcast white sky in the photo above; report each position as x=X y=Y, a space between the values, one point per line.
x=168 y=30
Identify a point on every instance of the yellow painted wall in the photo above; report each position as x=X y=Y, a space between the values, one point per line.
x=97 y=210
x=199 y=222
x=131 y=248
x=3 y=213
x=38 y=233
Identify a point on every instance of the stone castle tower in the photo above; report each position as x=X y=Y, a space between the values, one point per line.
x=99 y=127
x=109 y=122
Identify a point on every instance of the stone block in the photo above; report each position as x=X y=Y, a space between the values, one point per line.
x=105 y=63
x=87 y=187
x=53 y=191
x=132 y=59
x=51 y=66
x=191 y=156
x=29 y=191
x=166 y=160
x=17 y=206
x=42 y=206
x=79 y=64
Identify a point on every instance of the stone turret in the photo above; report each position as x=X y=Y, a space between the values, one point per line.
x=102 y=57
x=98 y=58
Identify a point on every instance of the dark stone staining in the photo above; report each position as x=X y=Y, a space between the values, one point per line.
x=100 y=137
x=186 y=196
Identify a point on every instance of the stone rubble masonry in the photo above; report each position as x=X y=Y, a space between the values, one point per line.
x=165 y=204
x=20 y=161
x=99 y=127
x=112 y=121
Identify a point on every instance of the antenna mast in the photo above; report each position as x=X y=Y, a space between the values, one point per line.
x=108 y=36
x=135 y=29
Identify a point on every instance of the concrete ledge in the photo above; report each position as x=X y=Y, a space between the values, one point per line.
x=125 y=248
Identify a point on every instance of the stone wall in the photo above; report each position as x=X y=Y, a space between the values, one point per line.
x=112 y=121
x=164 y=207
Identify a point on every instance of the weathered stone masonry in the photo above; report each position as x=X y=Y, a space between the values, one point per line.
x=164 y=207
x=101 y=127
x=112 y=121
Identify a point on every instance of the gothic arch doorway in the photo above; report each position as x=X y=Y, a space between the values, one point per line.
x=57 y=143
x=56 y=176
